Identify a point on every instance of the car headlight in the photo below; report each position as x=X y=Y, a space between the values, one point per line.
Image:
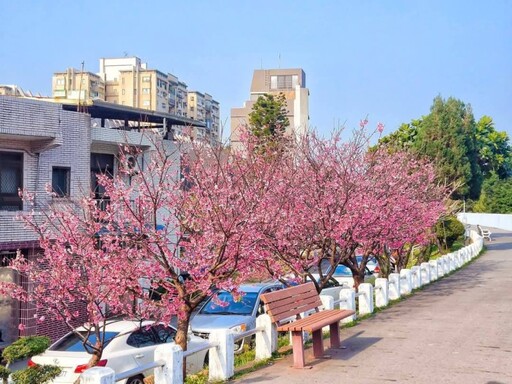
x=239 y=328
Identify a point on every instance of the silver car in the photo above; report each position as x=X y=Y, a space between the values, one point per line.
x=224 y=312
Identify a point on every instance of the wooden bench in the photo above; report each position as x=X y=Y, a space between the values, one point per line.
x=288 y=304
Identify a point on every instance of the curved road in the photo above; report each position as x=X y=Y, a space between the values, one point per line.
x=456 y=330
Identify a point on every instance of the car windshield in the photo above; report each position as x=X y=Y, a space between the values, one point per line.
x=371 y=260
x=73 y=343
x=226 y=305
x=342 y=270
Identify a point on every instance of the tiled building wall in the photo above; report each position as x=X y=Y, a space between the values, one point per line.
x=71 y=148
x=48 y=137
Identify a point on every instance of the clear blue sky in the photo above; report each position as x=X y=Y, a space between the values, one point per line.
x=385 y=59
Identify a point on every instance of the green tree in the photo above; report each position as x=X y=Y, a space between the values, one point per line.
x=268 y=119
x=496 y=196
x=403 y=138
x=448 y=136
x=494 y=151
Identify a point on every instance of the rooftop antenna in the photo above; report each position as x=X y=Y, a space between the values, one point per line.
x=279 y=61
x=80 y=86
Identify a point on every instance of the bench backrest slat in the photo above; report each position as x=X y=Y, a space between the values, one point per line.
x=292 y=301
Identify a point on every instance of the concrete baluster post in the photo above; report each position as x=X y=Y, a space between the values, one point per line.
x=453 y=261
x=348 y=301
x=425 y=273
x=405 y=282
x=98 y=375
x=416 y=277
x=327 y=303
x=394 y=286
x=381 y=292
x=440 y=267
x=222 y=358
x=365 y=298
x=433 y=270
x=172 y=371
x=266 y=341
x=447 y=262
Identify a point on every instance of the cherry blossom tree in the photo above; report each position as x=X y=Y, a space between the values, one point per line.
x=336 y=199
x=84 y=264
x=180 y=221
x=200 y=218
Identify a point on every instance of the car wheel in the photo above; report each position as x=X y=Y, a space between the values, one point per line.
x=135 y=380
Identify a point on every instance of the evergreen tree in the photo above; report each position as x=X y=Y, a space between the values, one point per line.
x=494 y=151
x=268 y=119
x=496 y=196
x=448 y=136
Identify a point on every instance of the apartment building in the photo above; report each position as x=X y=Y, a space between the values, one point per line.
x=75 y=84
x=202 y=107
x=48 y=143
x=128 y=81
x=290 y=82
x=177 y=96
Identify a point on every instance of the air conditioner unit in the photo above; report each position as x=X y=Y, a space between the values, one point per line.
x=133 y=164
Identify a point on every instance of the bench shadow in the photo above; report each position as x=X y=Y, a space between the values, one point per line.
x=350 y=347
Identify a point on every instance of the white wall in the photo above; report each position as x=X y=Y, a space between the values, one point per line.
x=493 y=220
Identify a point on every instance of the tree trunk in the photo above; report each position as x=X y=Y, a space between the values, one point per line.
x=182 y=332
x=358 y=279
x=95 y=358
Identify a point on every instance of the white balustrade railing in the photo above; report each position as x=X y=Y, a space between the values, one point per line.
x=168 y=364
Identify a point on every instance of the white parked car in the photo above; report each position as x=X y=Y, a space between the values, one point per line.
x=131 y=344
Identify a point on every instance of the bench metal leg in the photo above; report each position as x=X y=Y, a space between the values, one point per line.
x=298 y=349
x=318 y=344
x=334 y=330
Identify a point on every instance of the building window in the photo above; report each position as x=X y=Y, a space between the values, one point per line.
x=191 y=98
x=146 y=79
x=11 y=179
x=101 y=164
x=61 y=181
x=146 y=103
x=60 y=81
x=284 y=81
x=122 y=91
x=146 y=91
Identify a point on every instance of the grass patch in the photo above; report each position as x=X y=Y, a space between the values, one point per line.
x=245 y=363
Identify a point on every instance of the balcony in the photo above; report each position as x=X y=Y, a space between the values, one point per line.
x=41 y=133
x=115 y=137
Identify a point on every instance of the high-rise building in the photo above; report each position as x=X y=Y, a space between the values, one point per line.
x=77 y=85
x=128 y=81
x=177 y=96
x=290 y=82
x=202 y=107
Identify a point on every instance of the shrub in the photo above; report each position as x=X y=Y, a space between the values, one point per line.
x=25 y=347
x=4 y=373
x=38 y=374
x=448 y=230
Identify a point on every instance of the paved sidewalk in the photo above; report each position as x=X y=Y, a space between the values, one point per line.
x=456 y=330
